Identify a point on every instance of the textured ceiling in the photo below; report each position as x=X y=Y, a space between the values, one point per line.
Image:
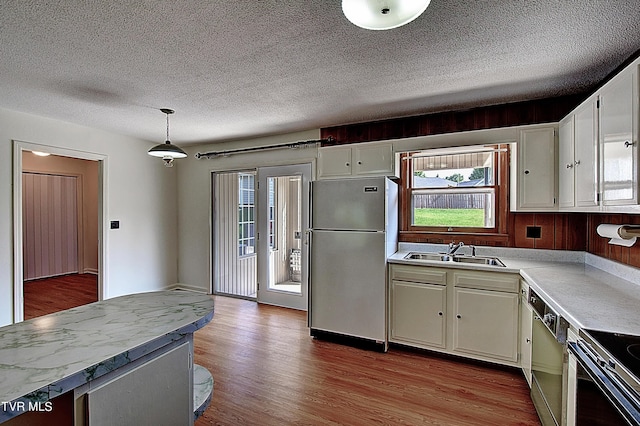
x=242 y=68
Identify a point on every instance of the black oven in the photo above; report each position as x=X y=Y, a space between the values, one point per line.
x=607 y=386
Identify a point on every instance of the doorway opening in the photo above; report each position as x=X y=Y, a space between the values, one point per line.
x=58 y=233
x=260 y=218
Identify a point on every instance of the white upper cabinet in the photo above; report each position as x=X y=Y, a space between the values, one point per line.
x=578 y=157
x=358 y=160
x=619 y=138
x=533 y=170
x=566 y=154
x=586 y=154
x=334 y=162
x=602 y=136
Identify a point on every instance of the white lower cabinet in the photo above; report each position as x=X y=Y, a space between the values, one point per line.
x=418 y=306
x=486 y=323
x=419 y=313
x=469 y=313
x=526 y=331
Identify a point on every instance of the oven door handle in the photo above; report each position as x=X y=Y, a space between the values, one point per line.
x=626 y=403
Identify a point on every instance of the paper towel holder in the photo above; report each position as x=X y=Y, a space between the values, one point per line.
x=624 y=235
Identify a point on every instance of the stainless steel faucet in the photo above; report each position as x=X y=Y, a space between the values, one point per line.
x=454 y=247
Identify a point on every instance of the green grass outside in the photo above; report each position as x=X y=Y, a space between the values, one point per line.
x=449 y=217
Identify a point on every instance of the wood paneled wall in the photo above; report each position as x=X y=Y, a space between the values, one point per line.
x=600 y=246
x=489 y=117
x=558 y=231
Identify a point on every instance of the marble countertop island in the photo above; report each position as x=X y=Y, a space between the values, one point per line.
x=50 y=355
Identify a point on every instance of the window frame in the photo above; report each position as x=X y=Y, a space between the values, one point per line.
x=250 y=238
x=438 y=234
x=272 y=211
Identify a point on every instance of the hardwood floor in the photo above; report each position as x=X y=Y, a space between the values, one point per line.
x=48 y=295
x=269 y=371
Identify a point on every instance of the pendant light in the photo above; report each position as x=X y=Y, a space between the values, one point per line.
x=383 y=14
x=167 y=151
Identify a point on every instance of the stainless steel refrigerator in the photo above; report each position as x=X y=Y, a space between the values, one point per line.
x=354 y=228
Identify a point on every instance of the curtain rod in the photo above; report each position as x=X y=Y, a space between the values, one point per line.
x=291 y=145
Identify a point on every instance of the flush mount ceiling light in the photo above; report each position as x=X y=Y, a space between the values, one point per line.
x=383 y=14
x=40 y=153
x=167 y=151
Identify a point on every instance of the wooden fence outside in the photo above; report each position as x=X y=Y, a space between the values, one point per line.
x=449 y=201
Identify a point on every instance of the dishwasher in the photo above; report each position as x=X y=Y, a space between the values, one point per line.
x=549 y=336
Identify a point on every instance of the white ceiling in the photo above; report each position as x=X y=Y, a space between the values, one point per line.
x=243 y=68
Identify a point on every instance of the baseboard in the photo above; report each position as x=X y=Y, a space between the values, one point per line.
x=90 y=271
x=186 y=287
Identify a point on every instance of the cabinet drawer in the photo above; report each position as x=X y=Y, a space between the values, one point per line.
x=487 y=281
x=421 y=274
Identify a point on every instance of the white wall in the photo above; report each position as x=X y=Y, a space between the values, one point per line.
x=142 y=254
x=194 y=197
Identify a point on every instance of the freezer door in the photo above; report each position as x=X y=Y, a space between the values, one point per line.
x=348 y=283
x=349 y=204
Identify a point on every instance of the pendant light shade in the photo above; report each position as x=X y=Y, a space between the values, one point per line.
x=383 y=14
x=167 y=151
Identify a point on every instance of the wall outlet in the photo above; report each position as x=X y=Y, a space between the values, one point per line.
x=533 y=231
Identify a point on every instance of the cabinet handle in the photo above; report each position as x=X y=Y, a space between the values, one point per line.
x=528 y=340
x=569 y=166
x=347 y=164
x=359 y=162
x=526 y=172
x=627 y=144
x=458 y=316
x=440 y=313
x=577 y=162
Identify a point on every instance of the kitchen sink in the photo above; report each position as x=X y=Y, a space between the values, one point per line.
x=428 y=256
x=479 y=260
x=442 y=257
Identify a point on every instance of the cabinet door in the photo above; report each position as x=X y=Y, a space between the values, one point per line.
x=159 y=392
x=485 y=323
x=334 y=162
x=586 y=155
x=536 y=178
x=566 y=181
x=417 y=313
x=375 y=160
x=526 y=322
x=617 y=138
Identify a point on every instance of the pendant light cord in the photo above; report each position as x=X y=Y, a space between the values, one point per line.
x=167 y=127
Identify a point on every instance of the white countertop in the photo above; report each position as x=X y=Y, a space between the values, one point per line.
x=589 y=291
x=49 y=355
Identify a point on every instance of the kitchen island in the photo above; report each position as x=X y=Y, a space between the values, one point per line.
x=126 y=360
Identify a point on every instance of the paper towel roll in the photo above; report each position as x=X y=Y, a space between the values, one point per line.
x=616 y=232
